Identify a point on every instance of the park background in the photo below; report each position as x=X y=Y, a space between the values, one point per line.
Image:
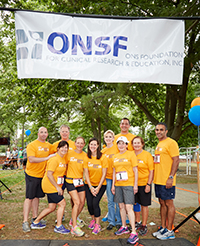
x=90 y=108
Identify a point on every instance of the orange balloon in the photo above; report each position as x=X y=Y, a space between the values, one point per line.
x=195 y=102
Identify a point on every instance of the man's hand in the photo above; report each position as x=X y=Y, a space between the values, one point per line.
x=169 y=183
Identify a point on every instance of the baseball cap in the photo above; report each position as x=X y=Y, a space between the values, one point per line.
x=122 y=138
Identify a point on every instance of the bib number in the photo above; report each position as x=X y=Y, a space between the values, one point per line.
x=157 y=159
x=122 y=176
x=60 y=180
x=78 y=182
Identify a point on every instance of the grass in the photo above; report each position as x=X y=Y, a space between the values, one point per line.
x=11 y=214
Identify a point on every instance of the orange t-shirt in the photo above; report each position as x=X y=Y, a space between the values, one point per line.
x=37 y=149
x=129 y=137
x=70 y=142
x=95 y=167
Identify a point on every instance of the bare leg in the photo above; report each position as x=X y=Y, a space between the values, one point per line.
x=60 y=212
x=45 y=212
x=163 y=212
x=76 y=203
x=123 y=213
x=27 y=208
x=170 y=213
x=137 y=216
x=131 y=216
x=145 y=213
x=35 y=206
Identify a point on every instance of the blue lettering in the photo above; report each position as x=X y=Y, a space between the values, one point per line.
x=76 y=39
x=51 y=45
x=118 y=46
x=106 y=47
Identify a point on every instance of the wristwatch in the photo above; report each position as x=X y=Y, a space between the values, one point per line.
x=171 y=177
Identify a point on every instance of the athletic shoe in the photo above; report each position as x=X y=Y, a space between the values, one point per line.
x=92 y=224
x=143 y=230
x=158 y=232
x=118 y=226
x=166 y=234
x=37 y=226
x=122 y=230
x=97 y=229
x=133 y=238
x=25 y=227
x=79 y=223
x=63 y=219
x=105 y=219
x=61 y=229
x=138 y=225
x=77 y=231
x=42 y=221
x=70 y=223
x=109 y=227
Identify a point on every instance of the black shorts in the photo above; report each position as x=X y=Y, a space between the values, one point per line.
x=24 y=161
x=54 y=198
x=71 y=187
x=142 y=197
x=33 y=187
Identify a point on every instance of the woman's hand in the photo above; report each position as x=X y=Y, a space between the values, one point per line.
x=135 y=189
x=113 y=190
x=60 y=191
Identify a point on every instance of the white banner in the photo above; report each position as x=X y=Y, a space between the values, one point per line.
x=94 y=49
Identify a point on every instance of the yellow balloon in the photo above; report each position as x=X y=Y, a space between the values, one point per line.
x=195 y=102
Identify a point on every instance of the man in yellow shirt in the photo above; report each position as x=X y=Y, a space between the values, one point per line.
x=38 y=152
x=64 y=133
x=166 y=161
x=124 y=126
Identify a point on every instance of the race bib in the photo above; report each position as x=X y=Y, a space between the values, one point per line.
x=78 y=182
x=157 y=159
x=122 y=176
x=60 y=180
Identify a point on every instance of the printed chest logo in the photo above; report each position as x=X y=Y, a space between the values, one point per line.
x=73 y=159
x=43 y=149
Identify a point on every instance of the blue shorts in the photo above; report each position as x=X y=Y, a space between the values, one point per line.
x=163 y=193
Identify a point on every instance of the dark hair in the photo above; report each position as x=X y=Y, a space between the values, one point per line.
x=141 y=139
x=163 y=124
x=125 y=119
x=62 y=143
x=89 y=153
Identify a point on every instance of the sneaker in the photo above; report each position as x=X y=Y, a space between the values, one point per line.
x=42 y=221
x=97 y=229
x=61 y=229
x=25 y=227
x=138 y=225
x=92 y=224
x=133 y=238
x=105 y=219
x=118 y=226
x=77 y=231
x=70 y=222
x=37 y=226
x=122 y=230
x=143 y=230
x=158 y=232
x=166 y=234
x=63 y=219
x=79 y=223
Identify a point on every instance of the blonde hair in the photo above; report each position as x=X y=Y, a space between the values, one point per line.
x=109 y=131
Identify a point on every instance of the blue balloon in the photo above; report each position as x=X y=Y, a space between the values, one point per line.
x=194 y=115
x=27 y=132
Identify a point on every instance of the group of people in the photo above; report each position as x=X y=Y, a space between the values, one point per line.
x=123 y=169
x=17 y=157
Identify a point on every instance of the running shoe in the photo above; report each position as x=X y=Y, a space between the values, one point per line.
x=26 y=227
x=37 y=226
x=61 y=229
x=63 y=219
x=77 y=231
x=105 y=219
x=158 y=232
x=143 y=230
x=166 y=234
x=122 y=230
x=79 y=223
x=133 y=238
x=97 y=229
x=92 y=224
x=138 y=225
x=42 y=221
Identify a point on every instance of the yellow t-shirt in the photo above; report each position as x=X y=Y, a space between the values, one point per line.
x=109 y=153
x=94 y=167
x=123 y=164
x=164 y=152
x=58 y=166
x=129 y=137
x=37 y=149
x=75 y=166
x=70 y=142
x=145 y=164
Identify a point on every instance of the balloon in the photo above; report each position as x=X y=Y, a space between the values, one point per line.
x=195 y=102
x=194 y=115
x=27 y=132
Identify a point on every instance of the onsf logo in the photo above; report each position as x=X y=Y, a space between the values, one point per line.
x=29 y=39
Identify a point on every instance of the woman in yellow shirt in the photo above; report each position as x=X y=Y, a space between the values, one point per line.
x=145 y=178
x=52 y=186
x=95 y=167
x=124 y=186
x=74 y=183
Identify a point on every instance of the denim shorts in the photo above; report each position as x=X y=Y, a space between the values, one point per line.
x=163 y=193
